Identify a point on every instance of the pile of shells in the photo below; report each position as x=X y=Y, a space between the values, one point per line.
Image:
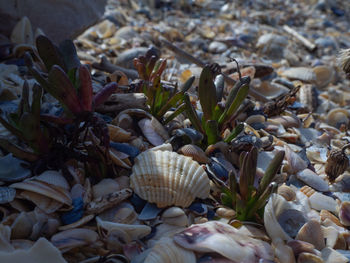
x=161 y=203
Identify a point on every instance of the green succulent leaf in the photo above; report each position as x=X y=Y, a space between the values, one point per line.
x=178 y=111
x=188 y=84
x=243 y=177
x=169 y=103
x=36 y=103
x=85 y=89
x=192 y=115
x=237 y=95
x=29 y=126
x=24 y=102
x=211 y=130
x=237 y=130
x=13 y=129
x=226 y=199
x=49 y=53
x=207 y=93
x=233 y=187
x=69 y=54
x=271 y=171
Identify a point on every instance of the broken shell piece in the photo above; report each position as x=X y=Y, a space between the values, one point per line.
x=338 y=116
x=287 y=192
x=41 y=251
x=319 y=201
x=123 y=213
x=300 y=246
x=77 y=224
x=313 y=180
x=7 y=194
x=224 y=239
x=195 y=152
x=309 y=258
x=300 y=73
x=118 y=134
x=330 y=255
x=53 y=178
x=100 y=204
x=312 y=233
x=295 y=162
x=324 y=76
x=324 y=214
x=46 y=204
x=104 y=187
x=283 y=252
x=69 y=239
x=175 y=216
x=165 y=250
x=22 y=32
x=127 y=232
x=153 y=131
x=167 y=178
x=344 y=213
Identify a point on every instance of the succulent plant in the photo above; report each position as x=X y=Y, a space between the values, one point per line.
x=159 y=98
x=50 y=136
x=214 y=116
x=247 y=200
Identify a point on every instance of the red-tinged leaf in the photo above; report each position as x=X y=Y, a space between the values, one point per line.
x=63 y=90
x=55 y=119
x=104 y=94
x=85 y=90
x=49 y=53
x=17 y=151
x=69 y=54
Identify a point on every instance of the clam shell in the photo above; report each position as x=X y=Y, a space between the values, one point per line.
x=195 y=152
x=165 y=250
x=338 y=116
x=118 y=134
x=309 y=258
x=300 y=73
x=324 y=75
x=330 y=255
x=287 y=192
x=299 y=247
x=11 y=169
x=175 y=216
x=104 y=187
x=123 y=213
x=312 y=233
x=313 y=180
x=45 y=203
x=53 y=178
x=167 y=178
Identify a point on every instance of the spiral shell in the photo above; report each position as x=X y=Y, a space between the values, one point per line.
x=167 y=178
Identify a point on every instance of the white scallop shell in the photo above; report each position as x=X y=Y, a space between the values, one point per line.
x=167 y=178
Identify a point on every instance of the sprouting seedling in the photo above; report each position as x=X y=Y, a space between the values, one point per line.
x=241 y=195
x=214 y=116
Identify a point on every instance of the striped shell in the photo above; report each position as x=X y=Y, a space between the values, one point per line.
x=167 y=178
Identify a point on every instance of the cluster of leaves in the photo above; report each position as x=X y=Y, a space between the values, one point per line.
x=241 y=195
x=160 y=98
x=214 y=116
x=70 y=83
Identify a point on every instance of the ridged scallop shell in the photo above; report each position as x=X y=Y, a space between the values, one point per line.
x=167 y=178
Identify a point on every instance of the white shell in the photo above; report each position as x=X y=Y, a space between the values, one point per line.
x=312 y=179
x=167 y=178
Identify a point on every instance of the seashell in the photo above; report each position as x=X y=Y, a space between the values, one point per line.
x=291 y=221
x=104 y=187
x=174 y=216
x=101 y=204
x=287 y=192
x=116 y=160
x=330 y=255
x=41 y=251
x=104 y=29
x=330 y=235
x=195 y=152
x=324 y=75
x=77 y=237
x=45 y=203
x=127 y=232
x=214 y=236
x=118 y=134
x=165 y=250
x=271 y=90
x=149 y=132
x=295 y=162
x=53 y=178
x=311 y=232
x=324 y=214
x=198 y=209
x=283 y=253
x=22 y=227
x=7 y=194
x=22 y=32
x=123 y=213
x=255 y=119
x=125 y=148
x=309 y=258
x=123 y=121
x=299 y=247
x=337 y=116
x=313 y=180
x=74 y=214
x=319 y=201
x=162 y=147
x=300 y=73
x=149 y=212
x=42 y=188
x=225 y=212
x=287 y=121
x=82 y=221
x=11 y=169
x=344 y=213
x=167 y=178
